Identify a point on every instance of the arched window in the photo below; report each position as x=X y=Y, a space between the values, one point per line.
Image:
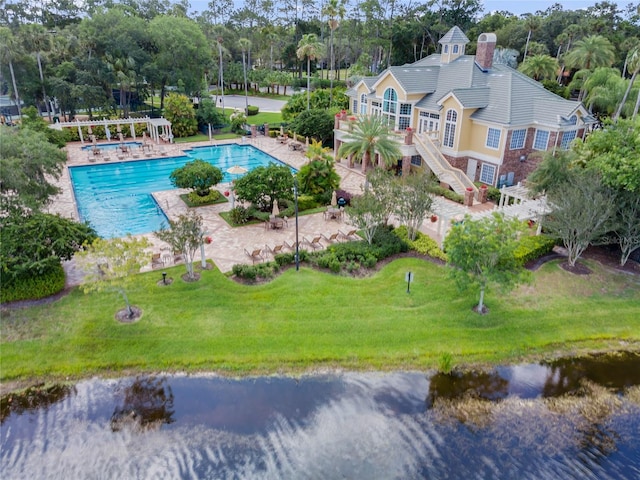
x=390 y=106
x=363 y=104
x=450 y=128
x=455 y=48
x=446 y=49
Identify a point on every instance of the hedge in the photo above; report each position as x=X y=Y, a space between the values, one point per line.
x=534 y=246
x=48 y=283
x=423 y=244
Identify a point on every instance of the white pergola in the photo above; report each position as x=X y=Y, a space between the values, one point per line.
x=524 y=207
x=159 y=128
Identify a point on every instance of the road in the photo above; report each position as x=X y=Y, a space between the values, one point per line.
x=238 y=101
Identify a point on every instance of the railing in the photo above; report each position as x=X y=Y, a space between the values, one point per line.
x=440 y=166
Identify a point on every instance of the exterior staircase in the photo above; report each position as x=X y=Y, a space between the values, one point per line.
x=441 y=167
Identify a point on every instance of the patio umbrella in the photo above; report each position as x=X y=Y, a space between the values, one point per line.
x=306 y=141
x=237 y=170
x=281 y=131
x=89 y=129
x=276 y=211
x=334 y=199
x=107 y=132
x=295 y=137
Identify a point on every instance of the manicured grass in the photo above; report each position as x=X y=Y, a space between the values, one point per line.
x=308 y=319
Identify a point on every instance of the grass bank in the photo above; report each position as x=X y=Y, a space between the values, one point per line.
x=308 y=319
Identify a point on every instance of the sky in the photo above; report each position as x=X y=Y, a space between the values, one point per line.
x=517 y=7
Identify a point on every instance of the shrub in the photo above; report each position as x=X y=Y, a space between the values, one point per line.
x=533 y=246
x=493 y=193
x=239 y=215
x=423 y=244
x=49 y=282
x=446 y=193
x=252 y=110
x=194 y=200
x=307 y=202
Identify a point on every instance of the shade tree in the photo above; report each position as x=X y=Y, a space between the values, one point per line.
x=367 y=214
x=481 y=253
x=581 y=213
x=198 y=176
x=111 y=265
x=185 y=235
x=264 y=184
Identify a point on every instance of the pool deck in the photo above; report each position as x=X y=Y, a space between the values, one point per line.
x=228 y=243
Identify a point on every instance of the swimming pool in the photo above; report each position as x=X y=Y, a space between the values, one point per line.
x=115 y=198
x=111 y=146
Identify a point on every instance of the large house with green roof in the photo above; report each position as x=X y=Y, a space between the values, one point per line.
x=466 y=118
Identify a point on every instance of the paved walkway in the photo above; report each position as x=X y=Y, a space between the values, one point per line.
x=229 y=244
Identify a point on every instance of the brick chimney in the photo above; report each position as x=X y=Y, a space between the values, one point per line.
x=484 y=51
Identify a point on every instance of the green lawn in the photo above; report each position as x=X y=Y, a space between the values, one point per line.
x=308 y=319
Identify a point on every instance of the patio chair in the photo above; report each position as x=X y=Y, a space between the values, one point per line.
x=156 y=260
x=275 y=250
x=350 y=235
x=314 y=242
x=255 y=255
x=334 y=237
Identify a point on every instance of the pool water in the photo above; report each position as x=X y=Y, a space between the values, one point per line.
x=115 y=198
x=111 y=146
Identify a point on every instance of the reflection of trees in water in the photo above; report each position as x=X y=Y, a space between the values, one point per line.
x=33 y=398
x=614 y=371
x=458 y=385
x=466 y=396
x=590 y=409
x=147 y=404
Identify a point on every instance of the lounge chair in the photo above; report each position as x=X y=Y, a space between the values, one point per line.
x=255 y=255
x=334 y=237
x=292 y=246
x=275 y=250
x=314 y=242
x=350 y=235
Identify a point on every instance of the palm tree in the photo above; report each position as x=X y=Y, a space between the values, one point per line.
x=539 y=67
x=124 y=72
x=309 y=47
x=590 y=53
x=532 y=23
x=245 y=45
x=333 y=8
x=37 y=40
x=633 y=64
x=370 y=135
x=603 y=89
x=567 y=36
x=8 y=53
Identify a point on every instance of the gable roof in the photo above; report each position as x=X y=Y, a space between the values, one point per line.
x=500 y=95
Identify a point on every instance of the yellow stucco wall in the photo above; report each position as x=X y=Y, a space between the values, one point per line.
x=389 y=82
x=470 y=136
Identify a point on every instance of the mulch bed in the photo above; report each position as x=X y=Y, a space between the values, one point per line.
x=123 y=315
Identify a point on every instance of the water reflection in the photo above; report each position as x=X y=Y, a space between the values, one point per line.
x=498 y=424
x=147 y=403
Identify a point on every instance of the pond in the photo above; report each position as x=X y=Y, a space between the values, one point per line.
x=571 y=418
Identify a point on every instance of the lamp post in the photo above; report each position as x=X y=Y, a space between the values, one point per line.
x=295 y=196
x=164 y=278
x=203 y=259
